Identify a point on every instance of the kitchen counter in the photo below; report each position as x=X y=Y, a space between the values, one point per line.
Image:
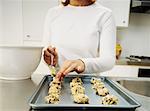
x=14 y=96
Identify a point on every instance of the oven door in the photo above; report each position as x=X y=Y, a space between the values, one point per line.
x=144 y=72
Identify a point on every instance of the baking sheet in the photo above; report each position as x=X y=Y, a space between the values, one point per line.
x=126 y=102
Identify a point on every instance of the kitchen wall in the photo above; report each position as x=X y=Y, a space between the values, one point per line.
x=0 y=18
x=136 y=38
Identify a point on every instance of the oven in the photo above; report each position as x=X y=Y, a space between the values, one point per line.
x=140 y=61
x=140 y=6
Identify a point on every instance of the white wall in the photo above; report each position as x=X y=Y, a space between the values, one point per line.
x=136 y=38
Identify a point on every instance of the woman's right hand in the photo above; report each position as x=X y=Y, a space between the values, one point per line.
x=51 y=56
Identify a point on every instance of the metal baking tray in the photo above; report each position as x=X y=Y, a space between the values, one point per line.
x=126 y=102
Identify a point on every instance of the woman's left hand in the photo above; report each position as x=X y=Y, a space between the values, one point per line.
x=70 y=66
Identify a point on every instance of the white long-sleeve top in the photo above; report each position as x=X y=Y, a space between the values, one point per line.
x=87 y=33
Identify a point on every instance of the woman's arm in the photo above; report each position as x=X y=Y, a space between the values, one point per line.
x=106 y=59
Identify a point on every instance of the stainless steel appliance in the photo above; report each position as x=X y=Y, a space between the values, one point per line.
x=140 y=6
x=141 y=61
x=138 y=60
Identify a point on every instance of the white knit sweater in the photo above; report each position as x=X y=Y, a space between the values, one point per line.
x=87 y=33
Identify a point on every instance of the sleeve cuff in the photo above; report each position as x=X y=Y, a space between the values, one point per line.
x=87 y=65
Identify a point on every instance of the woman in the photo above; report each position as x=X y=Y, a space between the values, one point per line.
x=83 y=33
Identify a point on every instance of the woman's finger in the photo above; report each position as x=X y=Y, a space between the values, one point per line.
x=70 y=69
x=55 y=60
x=52 y=50
x=47 y=53
x=66 y=71
x=62 y=76
x=47 y=60
x=58 y=75
x=78 y=69
x=55 y=52
x=63 y=68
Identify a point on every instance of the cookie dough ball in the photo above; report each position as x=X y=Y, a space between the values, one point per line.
x=110 y=100
x=102 y=92
x=55 y=81
x=56 y=86
x=72 y=84
x=77 y=80
x=98 y=85
x=52 y=99
x=77 y=90
x=95 y=80
x=81 y=99
x=54 y=90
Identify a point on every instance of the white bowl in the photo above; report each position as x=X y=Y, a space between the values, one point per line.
x=18 y=62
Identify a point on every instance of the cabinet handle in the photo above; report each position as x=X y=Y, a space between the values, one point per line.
x=124 y=21
x=28 y=36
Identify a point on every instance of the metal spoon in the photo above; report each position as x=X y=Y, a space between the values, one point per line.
x=52 y=70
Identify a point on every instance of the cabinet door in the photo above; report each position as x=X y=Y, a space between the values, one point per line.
x=0 y=19
x=11 y=22
x=120 y=10
x=34 y=12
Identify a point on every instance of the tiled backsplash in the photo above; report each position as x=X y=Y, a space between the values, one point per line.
x=136 y=38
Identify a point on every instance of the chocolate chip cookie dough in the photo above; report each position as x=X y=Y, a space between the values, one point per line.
x=53 y=92
x=78 y=91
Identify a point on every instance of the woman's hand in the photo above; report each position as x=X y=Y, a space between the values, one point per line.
x=50 y=56
x=70 y=66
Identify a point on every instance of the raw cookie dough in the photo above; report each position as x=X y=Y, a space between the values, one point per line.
x=81 y=99
x=110 y=100
x=52 y=99
x=77 y=90
x=53 y=92
x=98 y=85
x=72 y=84
x=77 y=79
x=55 y=81
x=95 y=80
x=102 y=91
